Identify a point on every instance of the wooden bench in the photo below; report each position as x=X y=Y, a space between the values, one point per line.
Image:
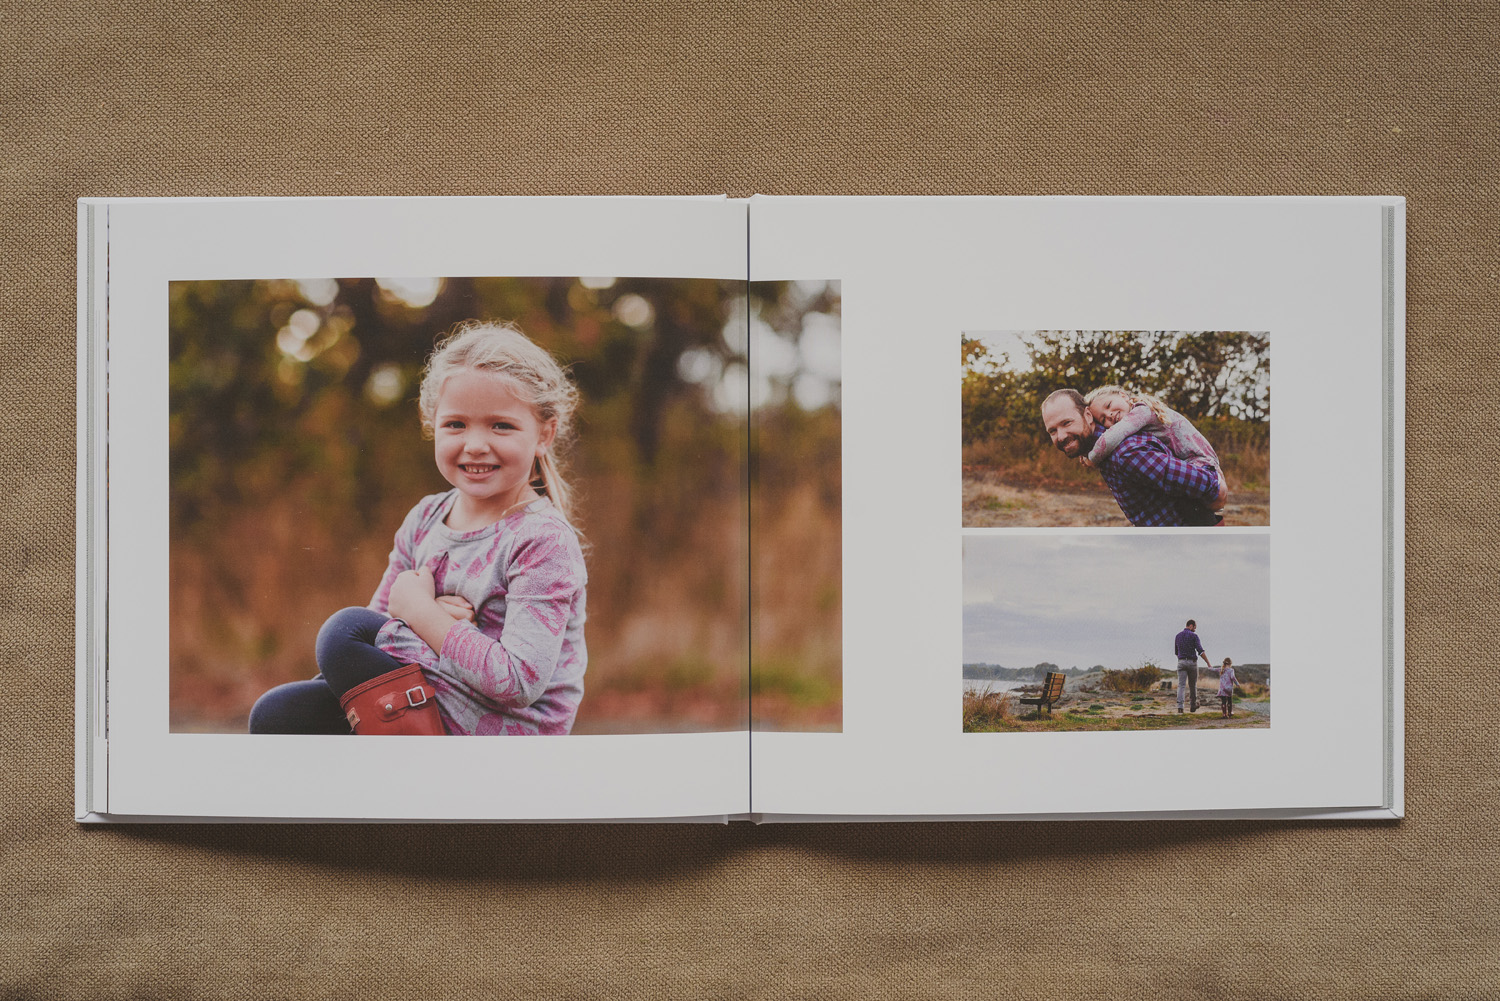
x=1051 y=691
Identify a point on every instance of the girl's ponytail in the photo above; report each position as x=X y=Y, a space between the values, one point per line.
x=1161 y=410
x=547 y=480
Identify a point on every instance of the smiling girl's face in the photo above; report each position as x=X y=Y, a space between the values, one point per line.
x=486 y=442
x=1107 y=410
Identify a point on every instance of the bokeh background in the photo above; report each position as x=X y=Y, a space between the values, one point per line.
x=1015 y=476
x=296 y=451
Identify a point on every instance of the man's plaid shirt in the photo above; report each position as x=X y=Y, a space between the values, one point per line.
x=1154 y=488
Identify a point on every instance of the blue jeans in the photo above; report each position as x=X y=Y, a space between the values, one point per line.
x=347 y=658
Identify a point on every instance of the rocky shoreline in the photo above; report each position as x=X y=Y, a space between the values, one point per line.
x=1086 y=705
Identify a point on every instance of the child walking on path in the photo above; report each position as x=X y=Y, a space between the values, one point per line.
x=476 y=626
x=1122 y=414
x=1226 y=689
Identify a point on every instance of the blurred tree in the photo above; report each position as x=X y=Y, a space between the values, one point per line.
x=987 y=391
x=1218 y=375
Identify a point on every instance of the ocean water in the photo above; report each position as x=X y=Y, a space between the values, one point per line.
x=993 y=685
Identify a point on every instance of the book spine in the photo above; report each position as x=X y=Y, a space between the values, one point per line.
x=1393 y=359
x=90 y=792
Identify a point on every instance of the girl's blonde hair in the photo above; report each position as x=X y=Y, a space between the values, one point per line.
x=539 y=380
x=1161 y=410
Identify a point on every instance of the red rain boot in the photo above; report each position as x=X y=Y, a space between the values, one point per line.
x=398 y=702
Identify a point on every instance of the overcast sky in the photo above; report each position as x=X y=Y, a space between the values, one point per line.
x=1081 y=600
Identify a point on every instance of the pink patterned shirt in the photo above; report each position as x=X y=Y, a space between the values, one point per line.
x=1227 y=681
x=518 y=669
x=1184 y=441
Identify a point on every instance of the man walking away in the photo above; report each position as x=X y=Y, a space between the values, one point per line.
x=1189 y=649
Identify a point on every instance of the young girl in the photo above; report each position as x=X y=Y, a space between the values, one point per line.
x=1123 y=414
x=477 y=625
x=1227 y=682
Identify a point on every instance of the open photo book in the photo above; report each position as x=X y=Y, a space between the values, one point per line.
x=700 y=508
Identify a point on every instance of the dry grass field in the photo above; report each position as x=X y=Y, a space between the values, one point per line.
x=990 y=502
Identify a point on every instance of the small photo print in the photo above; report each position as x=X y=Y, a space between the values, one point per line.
x=1116 y=631
x=1116 y=428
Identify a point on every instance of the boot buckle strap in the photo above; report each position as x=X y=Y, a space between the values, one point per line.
x=392 y=706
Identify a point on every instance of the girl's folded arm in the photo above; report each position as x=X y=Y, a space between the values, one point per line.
x=516 y=669
x=401 y=557
x=381 y=602
x=541 y=596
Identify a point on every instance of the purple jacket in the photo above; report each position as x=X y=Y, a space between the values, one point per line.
x=1188 y=645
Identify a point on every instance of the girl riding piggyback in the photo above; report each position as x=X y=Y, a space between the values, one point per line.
x=1122 y=414
x=477 y=624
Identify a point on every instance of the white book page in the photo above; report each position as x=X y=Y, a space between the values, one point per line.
x=915 y=274
x=154 y=771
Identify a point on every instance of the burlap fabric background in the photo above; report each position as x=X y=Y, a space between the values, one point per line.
x=694 y=98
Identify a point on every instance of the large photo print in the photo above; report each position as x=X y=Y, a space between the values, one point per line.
x=488 y=506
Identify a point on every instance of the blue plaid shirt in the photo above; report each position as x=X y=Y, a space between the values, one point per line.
x=1154 y=488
